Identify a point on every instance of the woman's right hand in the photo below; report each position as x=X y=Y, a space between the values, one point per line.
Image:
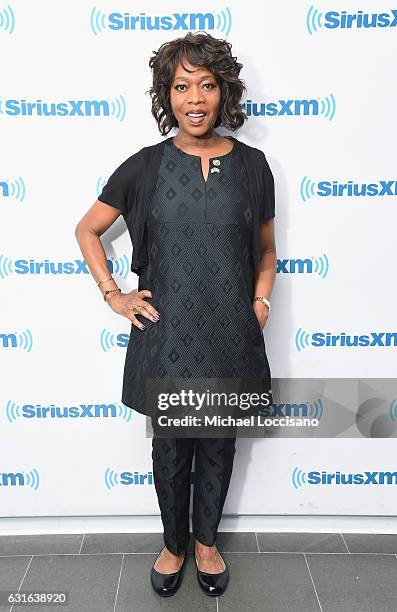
x=122 y=303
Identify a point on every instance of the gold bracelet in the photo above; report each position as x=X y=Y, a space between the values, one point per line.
x=264 y=300
x=110 y=291
x=104 y=280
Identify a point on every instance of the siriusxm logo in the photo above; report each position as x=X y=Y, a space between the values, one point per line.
x=216 y=20
x=20 y=479
x=325 y=107
x=313 y=410
x=78 y=411
x=7 y=20
x=335 y=189
x=20 y=340
x=333 y=20
x=314 y=265
x=70 y=108
x=326 y=339
x=13 y=189
x=314 y=477
x=119 y=266
x=113 y=479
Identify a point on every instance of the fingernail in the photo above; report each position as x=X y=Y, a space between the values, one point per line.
x=143 y=326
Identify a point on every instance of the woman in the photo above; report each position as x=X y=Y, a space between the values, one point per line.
x=199 y=209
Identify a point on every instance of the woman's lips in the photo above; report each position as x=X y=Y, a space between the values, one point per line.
x=196 y=120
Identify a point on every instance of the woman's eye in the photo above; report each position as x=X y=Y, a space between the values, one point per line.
x=210 y=85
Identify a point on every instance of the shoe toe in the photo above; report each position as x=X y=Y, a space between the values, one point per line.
x=213 y=584
x=164 y=584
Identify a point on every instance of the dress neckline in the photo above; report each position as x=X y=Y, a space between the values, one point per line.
x=170 y=140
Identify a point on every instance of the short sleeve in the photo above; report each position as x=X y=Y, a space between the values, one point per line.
x=113 y=192
x=267 y=205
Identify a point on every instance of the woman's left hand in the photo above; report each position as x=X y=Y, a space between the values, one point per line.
x=262 y=313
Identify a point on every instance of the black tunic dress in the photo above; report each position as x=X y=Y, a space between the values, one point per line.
x=201 y=277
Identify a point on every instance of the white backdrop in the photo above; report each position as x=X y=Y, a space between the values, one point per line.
x=320 y=100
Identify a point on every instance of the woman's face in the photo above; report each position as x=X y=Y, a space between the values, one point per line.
x=195 y=91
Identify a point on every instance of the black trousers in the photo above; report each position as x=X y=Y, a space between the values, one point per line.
x=172 y=463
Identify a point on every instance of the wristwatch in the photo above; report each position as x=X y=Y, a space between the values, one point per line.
x=261 y=298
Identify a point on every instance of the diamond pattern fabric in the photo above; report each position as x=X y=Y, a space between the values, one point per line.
x=201 y=277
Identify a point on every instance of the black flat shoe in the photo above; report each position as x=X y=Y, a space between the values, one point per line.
x=213 y=584
x=166 y=585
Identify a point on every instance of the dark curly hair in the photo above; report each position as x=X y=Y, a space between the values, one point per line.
x=199 y=49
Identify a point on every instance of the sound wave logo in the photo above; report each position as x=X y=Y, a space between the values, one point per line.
x=7 y=19
x=313 y=20
x=125 y=413
x=118 y=108
x=220 y=20
x=25 y=340
x=302 y=339
x=13 y=189
x=328 y=107
x=316 y=409
x=32 y=479
x=393 y=410
x=6 y=266
x=112 y=478
x=307 y=189
x=120 y=266
x=107 y=340
x=299 y=477
x=97 y=21
x=321 y=265
x=15 y=411
x=224 y=21
x=22 y=340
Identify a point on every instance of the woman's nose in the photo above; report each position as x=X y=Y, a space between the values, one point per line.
x=196 y=95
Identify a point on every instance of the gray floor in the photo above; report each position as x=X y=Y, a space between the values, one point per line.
x=272 y=572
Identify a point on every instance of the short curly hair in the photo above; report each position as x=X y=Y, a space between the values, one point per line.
x=199 y=49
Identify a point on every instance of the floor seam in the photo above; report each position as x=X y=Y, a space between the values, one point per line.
x=231 y=552
x=345 y=543
x=314 y=586
x=118 y=584
x=81 y=543
x=23 y=577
